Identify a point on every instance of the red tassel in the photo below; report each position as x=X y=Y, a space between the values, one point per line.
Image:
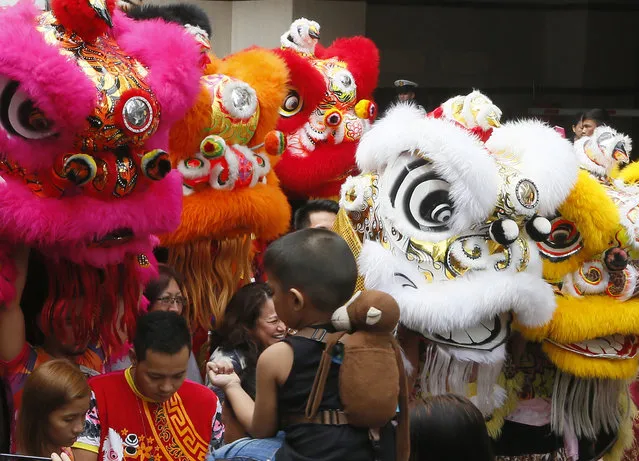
x=101 y=305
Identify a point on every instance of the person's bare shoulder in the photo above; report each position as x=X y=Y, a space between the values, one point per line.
x=277 y=360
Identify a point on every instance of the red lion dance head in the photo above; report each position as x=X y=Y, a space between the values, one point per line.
x=327 y=110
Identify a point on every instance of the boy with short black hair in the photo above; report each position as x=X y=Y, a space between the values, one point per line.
x=312 y=273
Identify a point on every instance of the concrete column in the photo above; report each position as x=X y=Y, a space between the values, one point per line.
x=240 y=24
x=262 y=22
x=337 y=18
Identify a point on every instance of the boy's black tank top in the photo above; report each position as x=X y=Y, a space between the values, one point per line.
x=316 y=442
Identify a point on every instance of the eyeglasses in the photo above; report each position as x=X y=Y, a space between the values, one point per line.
x=168 y=300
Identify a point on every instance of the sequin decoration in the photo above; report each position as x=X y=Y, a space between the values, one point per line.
x=234 y=109
x=143 y=261
x=137 y=114
x=527 y=193
x=113 y=73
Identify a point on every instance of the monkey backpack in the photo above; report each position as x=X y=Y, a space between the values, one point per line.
x=372 y=380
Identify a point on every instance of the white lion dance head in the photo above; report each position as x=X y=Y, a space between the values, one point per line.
x=447 y=225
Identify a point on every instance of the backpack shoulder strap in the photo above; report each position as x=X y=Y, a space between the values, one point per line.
x=317 y=391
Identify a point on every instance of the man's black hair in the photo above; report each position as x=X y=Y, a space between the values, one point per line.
x=318 y=263
x=600 y=116
x=303 y=214
x=180 y=13
x=161 y=331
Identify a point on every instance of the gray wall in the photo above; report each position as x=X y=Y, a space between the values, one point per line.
x=521 y=57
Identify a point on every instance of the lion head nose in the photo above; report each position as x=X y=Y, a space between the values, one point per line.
x=616 y=259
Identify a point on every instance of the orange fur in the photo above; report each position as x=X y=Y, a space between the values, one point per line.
x=212 y=245
x=186 y=135
x=267 y=74
x=262 y=210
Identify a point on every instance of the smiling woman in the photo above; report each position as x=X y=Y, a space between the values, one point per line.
x=250 y=326
x=55 y=401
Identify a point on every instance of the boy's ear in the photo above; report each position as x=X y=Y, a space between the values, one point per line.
x=297 y=299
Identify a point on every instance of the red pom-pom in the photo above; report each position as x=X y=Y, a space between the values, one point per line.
x=87 y=18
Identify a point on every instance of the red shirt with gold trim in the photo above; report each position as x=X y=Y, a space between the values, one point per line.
x=122 y=424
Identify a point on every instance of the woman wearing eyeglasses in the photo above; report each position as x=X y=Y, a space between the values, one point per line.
x=165 y=294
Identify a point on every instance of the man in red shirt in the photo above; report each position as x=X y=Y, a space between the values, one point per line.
x=149 y=411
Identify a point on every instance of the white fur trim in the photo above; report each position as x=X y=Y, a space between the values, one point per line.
x=233 y=165
x=460 y=303
x=456 y=156
x=194 y=173
x=542 y=156
x=357 y=188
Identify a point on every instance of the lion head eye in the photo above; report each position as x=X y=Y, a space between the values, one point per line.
x=19 y=115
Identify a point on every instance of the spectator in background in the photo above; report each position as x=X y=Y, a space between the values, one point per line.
x=592 y=119
x=407 y=92
x=250 y=326
x=448 y=427
x=55 y=401
x=165 y=294
x=576 y=126
x=316 y=214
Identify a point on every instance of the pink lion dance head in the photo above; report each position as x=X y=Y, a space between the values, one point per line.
x=327 y=110
x=87 y=97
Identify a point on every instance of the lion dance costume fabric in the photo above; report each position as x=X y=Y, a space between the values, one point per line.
x=445 y=217
x=225 y=149
x=591 y=259
x=326 y=111
x=87 y=100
